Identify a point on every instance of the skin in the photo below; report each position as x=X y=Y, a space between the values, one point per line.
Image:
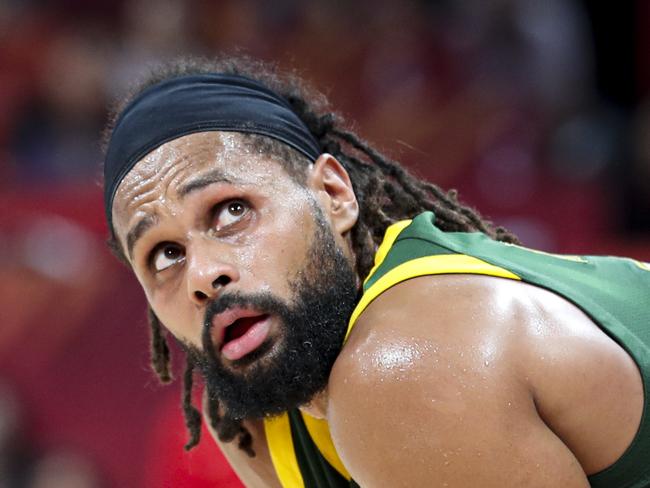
x=483 y=378
x=239 y=253
x=511 y=385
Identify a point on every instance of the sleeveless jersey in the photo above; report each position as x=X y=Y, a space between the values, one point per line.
x=613 y=292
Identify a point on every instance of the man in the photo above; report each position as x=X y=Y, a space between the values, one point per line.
x=354 y=325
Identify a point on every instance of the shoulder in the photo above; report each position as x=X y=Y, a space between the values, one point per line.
x=431 y=383
x=435 y=324
x=439 y=317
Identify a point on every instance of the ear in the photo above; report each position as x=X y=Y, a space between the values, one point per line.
x=331 y=184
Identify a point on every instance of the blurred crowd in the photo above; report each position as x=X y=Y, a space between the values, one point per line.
x=499 y=98
x=22 y=464
x=538 y=112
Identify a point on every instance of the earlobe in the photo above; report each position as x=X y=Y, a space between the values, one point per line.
x=333 y=187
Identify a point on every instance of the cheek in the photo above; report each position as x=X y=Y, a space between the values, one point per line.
x=180 y=319
x=276 y=253
x=269 y=261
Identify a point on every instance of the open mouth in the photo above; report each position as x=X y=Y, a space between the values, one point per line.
x=244 y=336
x=239 y=327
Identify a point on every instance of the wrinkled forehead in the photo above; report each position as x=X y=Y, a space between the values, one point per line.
x=231 y=155
x=193 y=151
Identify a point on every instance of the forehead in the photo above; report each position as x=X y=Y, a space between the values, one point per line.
x=162 y=173
x=166 y=167
x=198 y=151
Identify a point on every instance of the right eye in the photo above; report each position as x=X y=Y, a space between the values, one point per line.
x=166 y=255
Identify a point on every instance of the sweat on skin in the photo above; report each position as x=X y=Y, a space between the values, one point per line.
x=211 y=225
x=221 y=213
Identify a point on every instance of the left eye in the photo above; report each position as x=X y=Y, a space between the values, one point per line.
x=230 y=213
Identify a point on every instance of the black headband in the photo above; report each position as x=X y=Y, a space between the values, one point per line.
x=197 y=103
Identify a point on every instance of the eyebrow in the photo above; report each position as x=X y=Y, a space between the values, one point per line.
x=209 y=178
x=206 y=179
x=138 y=230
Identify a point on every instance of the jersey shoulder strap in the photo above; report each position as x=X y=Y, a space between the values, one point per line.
x=413 y=248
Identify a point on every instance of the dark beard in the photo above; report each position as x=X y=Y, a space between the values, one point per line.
x=286 y=371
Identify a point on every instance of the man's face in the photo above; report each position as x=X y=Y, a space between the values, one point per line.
x=239 y=262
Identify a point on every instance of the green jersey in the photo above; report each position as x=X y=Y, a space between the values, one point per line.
x=613 y=292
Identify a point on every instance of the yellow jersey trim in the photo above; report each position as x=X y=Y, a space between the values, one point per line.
x=320 y=434
x=389 y=239
x=428 y=265
x=283 y=455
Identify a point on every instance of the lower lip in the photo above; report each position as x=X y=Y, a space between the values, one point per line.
x=251 y=340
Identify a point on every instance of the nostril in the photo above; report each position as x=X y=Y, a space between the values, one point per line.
x=223 y=280
x=217 y=284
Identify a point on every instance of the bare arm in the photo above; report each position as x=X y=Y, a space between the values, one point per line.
x=257 y=472
x=424 y=394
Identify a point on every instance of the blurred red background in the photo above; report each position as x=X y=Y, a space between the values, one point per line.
x=538 y=112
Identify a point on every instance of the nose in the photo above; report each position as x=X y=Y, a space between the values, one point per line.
x=208 y=272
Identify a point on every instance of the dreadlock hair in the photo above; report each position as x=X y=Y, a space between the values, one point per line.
x=385 y=190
